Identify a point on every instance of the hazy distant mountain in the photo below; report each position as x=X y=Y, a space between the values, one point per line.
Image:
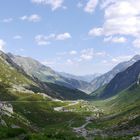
x=86 y=78
x=122 y=81
x=107 y=77
x=46 y=74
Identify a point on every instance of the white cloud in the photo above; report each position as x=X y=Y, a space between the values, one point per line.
x=90 y=6
x=69 y=61
x=63 y=36
x=106 y=3
x=17 y=37
x=121 y=58
x=115 y=39
x=46 y=40
x=119 y=39
x=108 y=39
x=117 y=59
x=2 y=44
x=136 y=43
x=55 y=4
x=95 y=32
x=87 y=54
x=7 y=20
x=48 y=62
x=31 y=18
x=121 y=18
x=42 y=40
x=101 y=53
x=104 y=61
x=125 y=26
x=73 y=52
x=124 y=8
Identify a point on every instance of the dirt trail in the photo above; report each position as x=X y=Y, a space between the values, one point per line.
x=62 y=107
x=82 y=130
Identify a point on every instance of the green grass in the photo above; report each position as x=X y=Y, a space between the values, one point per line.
x=42 y=113
x=10 y=75
x=122 y=111
x=6 y=133
x=98 y=92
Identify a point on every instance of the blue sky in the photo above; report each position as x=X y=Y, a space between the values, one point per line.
x=74 y=36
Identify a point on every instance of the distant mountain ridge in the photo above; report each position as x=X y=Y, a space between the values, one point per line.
x=107 y=77
x=46 y=74
x=86 y=78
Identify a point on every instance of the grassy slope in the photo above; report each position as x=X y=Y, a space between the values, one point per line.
x=43 y=119
x=98 y=92
x=121 y=112
x=9 y=75
x=31 y=108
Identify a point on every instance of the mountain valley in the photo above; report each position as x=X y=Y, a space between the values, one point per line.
x=36 y=109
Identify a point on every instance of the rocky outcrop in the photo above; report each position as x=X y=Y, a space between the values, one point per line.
x=6 y=109
x=136 y=138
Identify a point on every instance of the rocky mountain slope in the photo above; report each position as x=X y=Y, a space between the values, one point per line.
x=14 y=79
x=46 y=74
x=122 y=81
x=107 y=77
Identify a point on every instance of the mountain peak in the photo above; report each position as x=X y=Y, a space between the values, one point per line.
x=136 y=57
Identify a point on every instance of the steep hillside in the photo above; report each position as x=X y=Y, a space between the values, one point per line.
x=97 y=92
x=12 y=77
x=129 y=98
x=107 y=77
x=13 y=80
x=46 y=74
x=63 y=92
x=122 y=81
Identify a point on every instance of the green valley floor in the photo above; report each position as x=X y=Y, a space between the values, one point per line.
x=33 y=117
